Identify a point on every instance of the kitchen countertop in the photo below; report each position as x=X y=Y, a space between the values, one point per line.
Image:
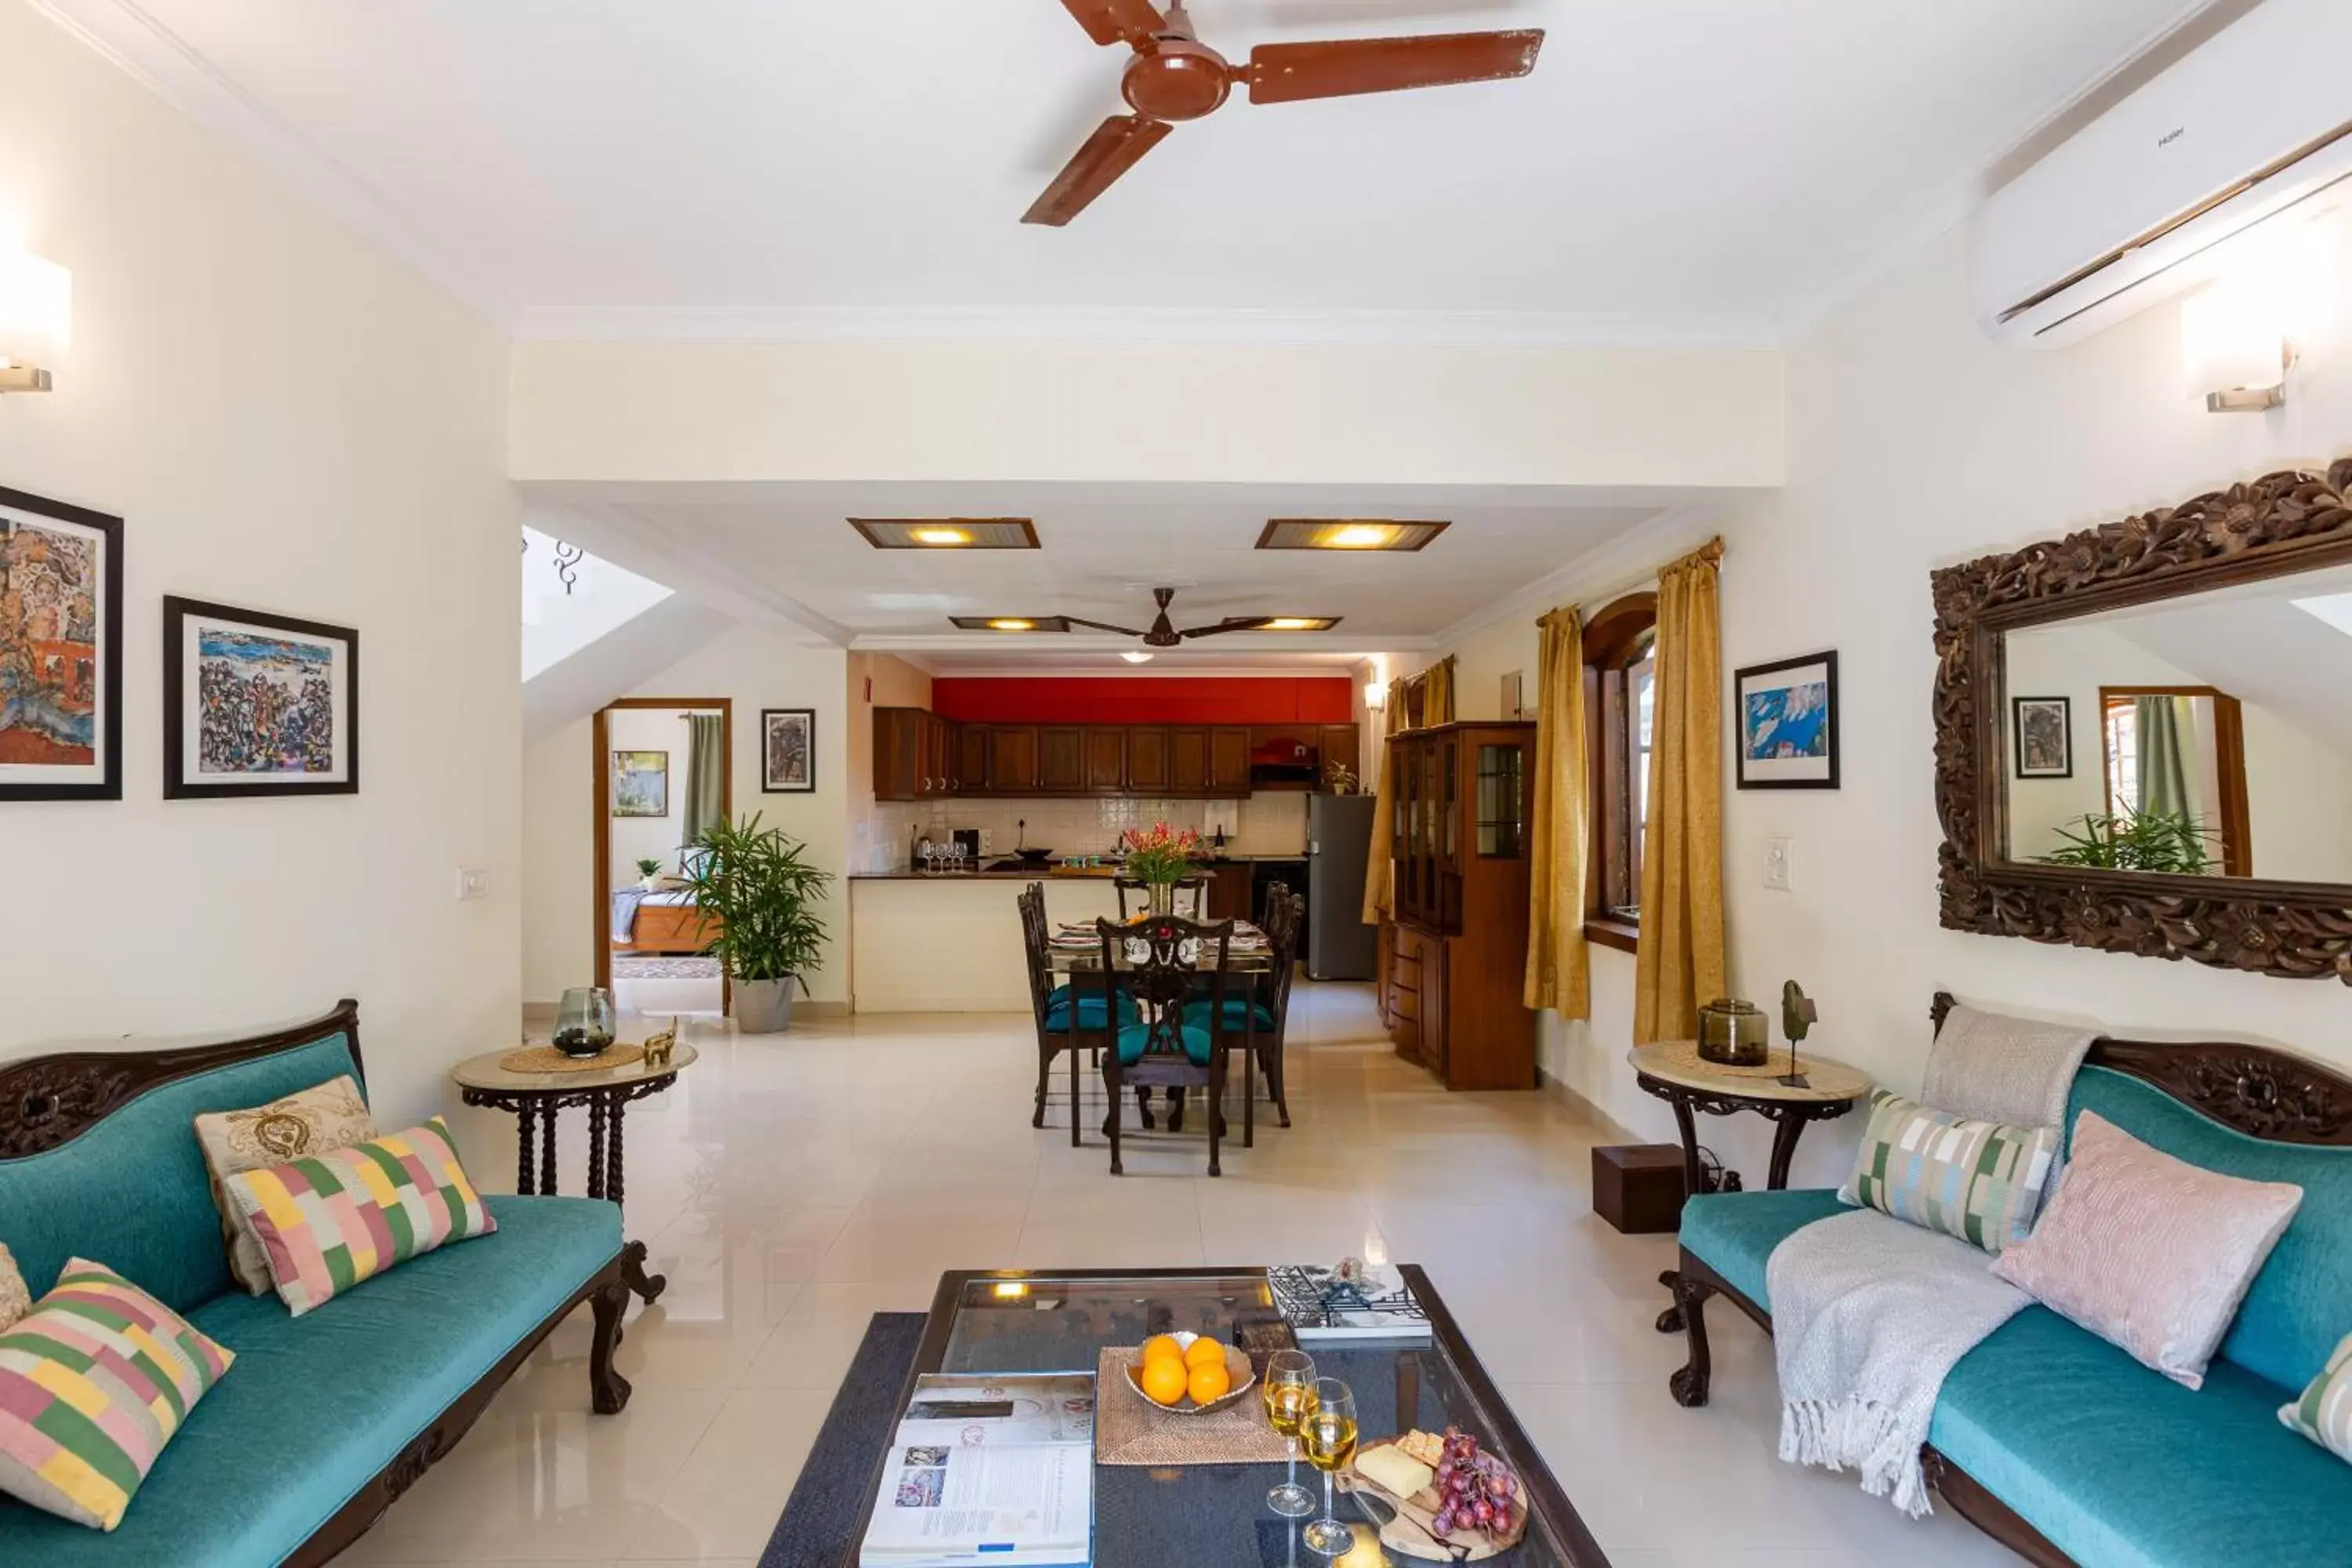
x=908 y=874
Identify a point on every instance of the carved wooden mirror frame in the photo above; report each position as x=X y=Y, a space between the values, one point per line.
x=2283 y=523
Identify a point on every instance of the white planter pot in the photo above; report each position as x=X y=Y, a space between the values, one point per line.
x=764 y=1006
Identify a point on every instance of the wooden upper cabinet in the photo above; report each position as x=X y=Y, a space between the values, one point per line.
x=1337 y=743
x=971 y=759
x=1188 y=760
x=1229 y=761
x=1147 y=761
x=1061 y=759
x=1106 y=759
x=897 y=752
x=1012 y=759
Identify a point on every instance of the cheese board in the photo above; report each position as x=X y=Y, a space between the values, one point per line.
x=1410 y=1514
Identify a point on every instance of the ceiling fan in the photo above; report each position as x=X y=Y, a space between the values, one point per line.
x=1174 y=77
x=1163 y=631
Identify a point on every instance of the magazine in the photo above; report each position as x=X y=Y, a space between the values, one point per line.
x=995 y=1469
x=1382 y=1306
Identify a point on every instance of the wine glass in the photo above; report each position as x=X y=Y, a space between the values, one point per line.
x=1289 y=1393
x=1328 y=1432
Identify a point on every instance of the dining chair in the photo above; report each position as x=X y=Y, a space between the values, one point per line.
x=1255 y=1017
x=1191 y=896
x=1154 y=965
x=1067 y=1020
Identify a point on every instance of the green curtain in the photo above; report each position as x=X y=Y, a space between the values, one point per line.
x=706 y=775
x=2167 y=731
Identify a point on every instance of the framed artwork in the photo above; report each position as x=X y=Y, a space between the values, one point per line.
x=2044 y=727
x=1788 y=723
x=60 y=651
x=640 y=784
x=257 y=704
x=788 y=751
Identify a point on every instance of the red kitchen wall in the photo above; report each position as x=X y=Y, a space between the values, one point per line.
x=1128 y=699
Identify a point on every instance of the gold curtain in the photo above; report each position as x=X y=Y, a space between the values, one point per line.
x=1379 y=871
x=1437 y=696
x=1678 y=962
x=1559 y=973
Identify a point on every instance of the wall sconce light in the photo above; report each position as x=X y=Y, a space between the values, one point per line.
x=1376 y=696
x=2236 y=348
x=36 y=320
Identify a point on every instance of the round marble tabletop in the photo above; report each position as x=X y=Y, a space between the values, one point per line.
x=483 y=1072
x=1677 y=1062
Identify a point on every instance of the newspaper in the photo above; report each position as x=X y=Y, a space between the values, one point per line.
x=989 y=1470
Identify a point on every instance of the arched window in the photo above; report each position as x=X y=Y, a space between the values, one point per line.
x=1619 y=682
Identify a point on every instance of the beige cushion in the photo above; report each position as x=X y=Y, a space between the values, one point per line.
x=16 y=1300
x=2150 y=1253
x=316 y=1121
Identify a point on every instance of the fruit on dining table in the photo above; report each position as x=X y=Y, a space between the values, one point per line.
x=1210 y=1381
x=1205 y=1351
x=1160 y=1346
x=1164 y=1380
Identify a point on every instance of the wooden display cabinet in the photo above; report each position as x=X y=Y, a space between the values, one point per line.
x=1457 y=964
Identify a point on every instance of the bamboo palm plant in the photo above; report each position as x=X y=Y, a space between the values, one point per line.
x=756 y=885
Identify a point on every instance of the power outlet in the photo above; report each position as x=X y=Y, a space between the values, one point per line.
x=473 y=882
x=1780 y=868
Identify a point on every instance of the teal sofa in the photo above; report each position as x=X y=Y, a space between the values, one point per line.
x=324 y=1420
x=2061 y=1445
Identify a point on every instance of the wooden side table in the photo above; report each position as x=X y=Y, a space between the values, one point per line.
x=537 y=1097
x=1674 y=1072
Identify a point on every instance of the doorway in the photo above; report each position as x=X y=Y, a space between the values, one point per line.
x=664 y=768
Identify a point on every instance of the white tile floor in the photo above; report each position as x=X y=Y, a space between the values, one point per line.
x=792 y=1185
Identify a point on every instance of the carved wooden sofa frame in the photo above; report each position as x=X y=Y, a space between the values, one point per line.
x=2253 y=1090
x=48 y=1101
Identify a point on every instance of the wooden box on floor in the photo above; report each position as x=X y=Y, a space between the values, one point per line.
x=1455 y=956
x=1638 y=1187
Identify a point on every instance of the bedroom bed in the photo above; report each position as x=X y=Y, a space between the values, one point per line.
x=660 y=923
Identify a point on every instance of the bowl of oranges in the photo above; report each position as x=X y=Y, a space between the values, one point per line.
x=1190 y=1372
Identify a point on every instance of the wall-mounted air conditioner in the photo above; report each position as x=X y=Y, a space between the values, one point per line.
x=2251 y=125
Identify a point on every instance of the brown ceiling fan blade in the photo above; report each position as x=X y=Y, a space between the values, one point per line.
x=1116 y=21
x=1103 y=626
x=1286 y=73
x=1115 y=147
x=1237 y=624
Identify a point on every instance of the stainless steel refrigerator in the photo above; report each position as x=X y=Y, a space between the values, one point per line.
x=1339 y=945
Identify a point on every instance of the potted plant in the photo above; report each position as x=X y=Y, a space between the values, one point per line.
x=752 y=890
x=1159 y=857
x=2136 y=841
x=648 y=874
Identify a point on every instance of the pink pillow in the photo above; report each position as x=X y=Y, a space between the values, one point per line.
x=2150 y=1253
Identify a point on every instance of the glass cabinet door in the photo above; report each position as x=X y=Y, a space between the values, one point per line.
x=1502 y=801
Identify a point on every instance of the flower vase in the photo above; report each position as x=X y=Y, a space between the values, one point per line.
x=1164 y=899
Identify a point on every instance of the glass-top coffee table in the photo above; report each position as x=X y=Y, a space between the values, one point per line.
x=1201 y=1515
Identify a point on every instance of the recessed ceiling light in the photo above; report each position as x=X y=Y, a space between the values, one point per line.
x=1346 y=533
x=947 y=532
x=1011 y=623
x=1136 y=655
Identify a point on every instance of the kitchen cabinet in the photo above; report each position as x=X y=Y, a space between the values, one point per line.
x=1188 y=760
x=1106 y=759
x=1061 y=759
x=1337 y=744
x=1458 y=968
x=939 y=756
x=1229 y=761
x=1229 y=891
x=898 y=753
x=971 y=759
x=1147 y=762
x=1012 y=759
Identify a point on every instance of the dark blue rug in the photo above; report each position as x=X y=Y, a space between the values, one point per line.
x=821 y=1520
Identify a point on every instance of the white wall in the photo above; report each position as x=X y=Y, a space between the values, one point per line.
x=291 y=422
x=754 y=669
x=635 y=839
x=1916 y=443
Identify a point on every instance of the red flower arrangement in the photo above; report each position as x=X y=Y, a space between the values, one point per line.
x=1160 y=853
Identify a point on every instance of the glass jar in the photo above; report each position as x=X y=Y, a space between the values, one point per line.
x=583 y=1021
x=1733 y=1033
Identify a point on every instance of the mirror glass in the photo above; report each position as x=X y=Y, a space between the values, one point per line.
x=2209 y=735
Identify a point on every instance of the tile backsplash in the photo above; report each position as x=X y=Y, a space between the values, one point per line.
x=1273 y=824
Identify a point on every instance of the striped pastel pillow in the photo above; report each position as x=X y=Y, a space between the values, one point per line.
x=1981 y=1180
x=93 y=1382
x=331 y=1220
x=2322 y=1412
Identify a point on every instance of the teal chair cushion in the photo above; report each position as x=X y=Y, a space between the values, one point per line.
x=1735 y=1233
x=1241 y=1014
x=315 y=1407
x=1090 y=1010
x=132 y=1192
x=1134 y=1040
x=2301 y=1303
x=2125 y=1468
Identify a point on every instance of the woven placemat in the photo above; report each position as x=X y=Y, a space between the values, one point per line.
x=1131 y=1430
x=547 y=1058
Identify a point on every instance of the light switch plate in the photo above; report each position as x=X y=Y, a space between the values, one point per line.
x=1780 y=870
x=473 y=882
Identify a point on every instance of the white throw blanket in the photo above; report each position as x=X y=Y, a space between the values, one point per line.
x=1870 y=1313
